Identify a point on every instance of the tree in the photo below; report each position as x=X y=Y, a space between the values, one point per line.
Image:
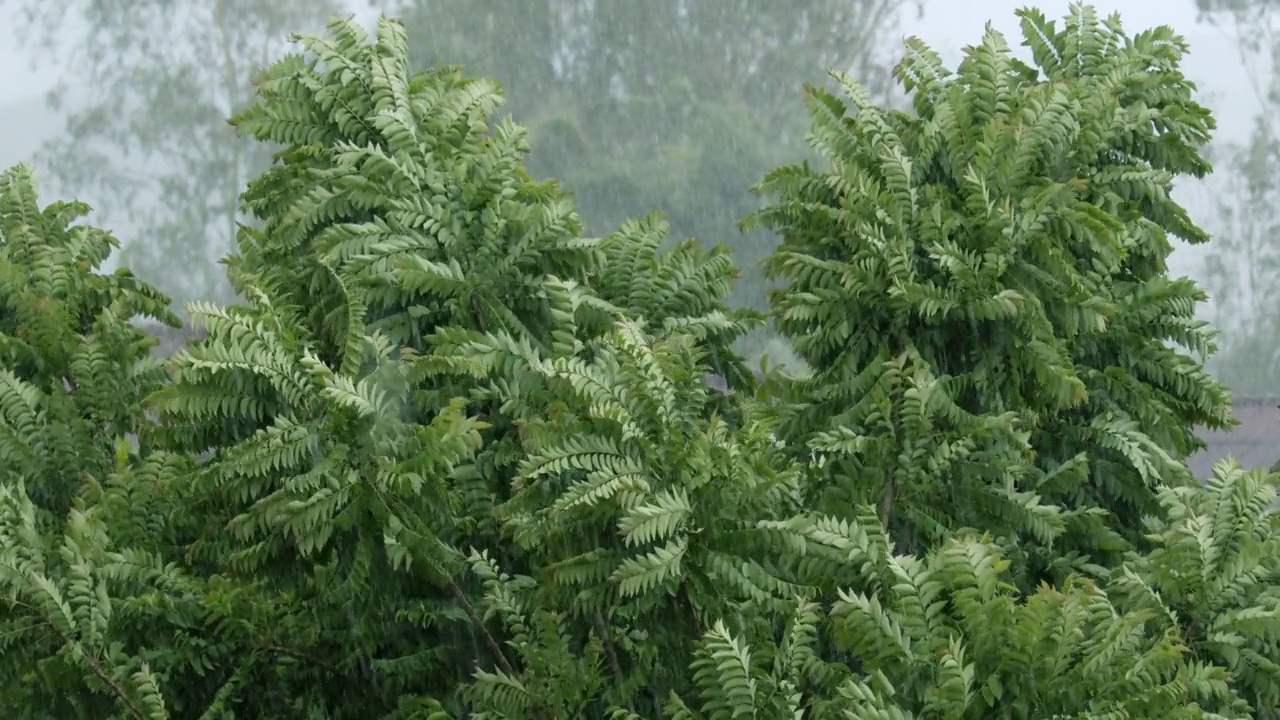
x=449 y=458
x=73 y=377
x=981 y=290
x=146 y=132
x=404 y=259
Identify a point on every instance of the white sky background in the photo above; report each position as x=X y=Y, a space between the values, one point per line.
x=948 y=25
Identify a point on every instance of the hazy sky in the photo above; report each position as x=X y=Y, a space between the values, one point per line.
x=948 y=25
x=18 y=79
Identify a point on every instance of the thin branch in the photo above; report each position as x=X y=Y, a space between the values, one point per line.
x=304 y=656
x=698 y=630
x=891 y=486
x=134 y=708
x=499 y=656
x=611 y=653
x=886 y=503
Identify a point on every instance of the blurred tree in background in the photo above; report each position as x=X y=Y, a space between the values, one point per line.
x=666 y=104
x=1246 y=250
x=149 y=89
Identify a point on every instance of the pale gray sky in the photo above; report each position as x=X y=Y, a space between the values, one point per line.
x=948 y=25
x=18 y=79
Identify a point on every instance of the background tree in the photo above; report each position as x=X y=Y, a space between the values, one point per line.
x=150 y=86
x=1245 y=257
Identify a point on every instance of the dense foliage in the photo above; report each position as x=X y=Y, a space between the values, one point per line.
x=450 y=457
x=1003 y=251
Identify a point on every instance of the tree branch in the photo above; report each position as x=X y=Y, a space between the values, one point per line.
x=134 y=708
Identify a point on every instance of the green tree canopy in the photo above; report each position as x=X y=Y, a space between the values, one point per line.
x=447 y=457
x=980 y=286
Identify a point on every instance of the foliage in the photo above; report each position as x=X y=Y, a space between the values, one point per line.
x=1214 y=578
x=74 y=376
x=980 y=288
x=449 y=458
x=74 y=371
